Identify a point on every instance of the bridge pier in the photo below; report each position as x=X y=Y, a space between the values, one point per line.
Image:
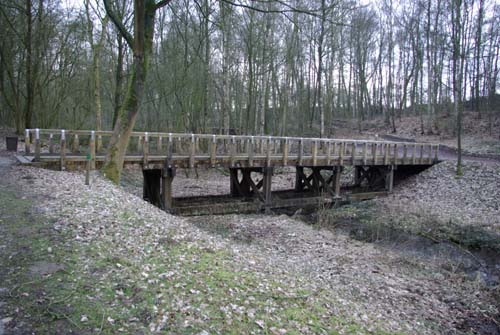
x=374 y=177
x=315 y=181
x=246 y=187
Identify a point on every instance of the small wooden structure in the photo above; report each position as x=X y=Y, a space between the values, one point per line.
x=318 y=162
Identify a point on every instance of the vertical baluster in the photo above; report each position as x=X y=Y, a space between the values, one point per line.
x=285 y=151
x=51 y=143
x=374 y=152
x=436 y=154
x=414 y=154
x=365 y=152
x=37 y=144
x=76 y=144
x=192 y=151
x=405 y=153
x=341 y=153
x=268 y=153
x=250 y=151
x=63 y=150
x=213 y=151
x=27 y=141
x=159 y=144
x=145 y=150
x=301 y=151
x=232 y=151
x=353 y=153
x=92 y=150
x=396 y=151
x=329 y=153
x=315 y=152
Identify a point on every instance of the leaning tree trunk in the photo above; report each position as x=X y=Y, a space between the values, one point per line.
x=142 y=45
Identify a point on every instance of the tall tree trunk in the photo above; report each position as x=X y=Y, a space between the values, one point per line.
x=28 y=118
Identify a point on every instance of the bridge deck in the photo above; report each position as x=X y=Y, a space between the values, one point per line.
x=68 y=149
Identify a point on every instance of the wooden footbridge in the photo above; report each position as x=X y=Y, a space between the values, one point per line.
x=251 y=160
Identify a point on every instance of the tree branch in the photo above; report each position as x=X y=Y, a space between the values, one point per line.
x=162 y=3
x=119 y=24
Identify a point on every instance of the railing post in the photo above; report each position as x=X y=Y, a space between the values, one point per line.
x=365 y=149
x=76 y=144
x=63 y=150
x=51 y=143
x=145 y=150
x=92 y=150
x=285 y=151
x=213 y=151
x=27 y=141
x=386 y=153
x=374 y=153
x=232 y=151
x=436 y=154
x=159 y=144
x=250 y=151
x=268 y=153
x=421 y=158
x=192 y=151
x=414 y=154
x=329 y=153
x=37 y=144
x=301 y=151
x=139 y=144
x=353 y=153
x=315 y=153
x=405 y=153
x=396 y=151
x=341 y=153
x=430 y=154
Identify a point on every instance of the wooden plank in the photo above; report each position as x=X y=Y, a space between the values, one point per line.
x=232 y=151
x=341 y=153
x=159 y=144
x=421 y=159
x=405 y=153
x=396 y=151
x=414 y=154
x=268 y=151
x=386 y=153
x=76 y=144
x=436 y=155
x=374 y=152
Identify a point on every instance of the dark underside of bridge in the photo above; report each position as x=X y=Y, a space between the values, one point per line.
x=251 y=191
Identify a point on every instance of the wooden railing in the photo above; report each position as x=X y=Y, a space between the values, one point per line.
x=192 y=149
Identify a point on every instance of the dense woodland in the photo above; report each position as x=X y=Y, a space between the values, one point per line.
x=260 y=67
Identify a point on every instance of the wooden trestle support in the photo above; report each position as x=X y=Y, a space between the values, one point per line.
x=158 y=183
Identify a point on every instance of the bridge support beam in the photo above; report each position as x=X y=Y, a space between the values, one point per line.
x=315 y=182
x=242 y=184
x=167 y=177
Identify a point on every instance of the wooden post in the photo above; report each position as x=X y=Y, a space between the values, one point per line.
x=87 y=170
x=341 y=153
x=389 y=179
x=250 y=151
x=421 y=160
x=92 y=150
x=374 y=152
x=414 y=154
x=405 y=153
x=168 y=174
x=213 y=151
x=268 y=175
x=268 y=153
x=145 y=150
x=365 y=149
x=436 y=154
x=159 y=144
x=430 y=154
x=76 y=144
x=37 y=145
x=353 y=153
x=285 y=151
x=329 y=153
x=51 y=143
x=396 y=151
x=232 y=150
x=315 y=153
x=139 y=144
x=27 y=146
x=334 y=150
x=301 y=151
x=338 y=173
x=386 y=153
x=192 y=152
x=63 y=150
